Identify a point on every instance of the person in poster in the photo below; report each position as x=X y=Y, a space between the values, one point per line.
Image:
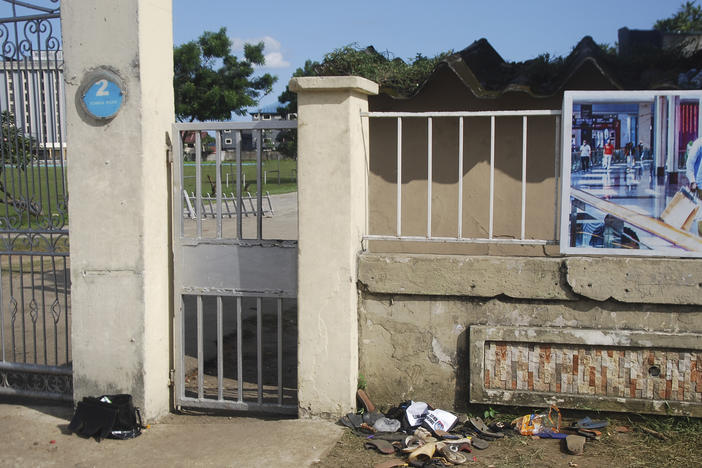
x=608 y=152
x=585 y=151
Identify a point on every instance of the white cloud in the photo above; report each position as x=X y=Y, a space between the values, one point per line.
x=272 y=50
x=276 y=60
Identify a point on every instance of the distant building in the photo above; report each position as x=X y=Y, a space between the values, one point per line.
x=270 y=112
x=32 y=90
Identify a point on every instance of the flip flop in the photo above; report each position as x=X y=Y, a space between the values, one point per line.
x=445 y=451
x=591 y=434
x=424 y=435
x=366 y=402
x=575 y=444
x=412 y=443
x=483 y=430
x=480 y=444
x=351 y=420
x=382 y=446
x=587 y=423
x=422 y=455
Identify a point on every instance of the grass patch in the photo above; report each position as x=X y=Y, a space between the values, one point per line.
x=287 y=168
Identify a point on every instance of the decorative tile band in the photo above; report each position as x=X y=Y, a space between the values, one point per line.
x=654 y=374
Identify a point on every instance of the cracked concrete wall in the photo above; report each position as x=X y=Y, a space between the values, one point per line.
x=416 y=312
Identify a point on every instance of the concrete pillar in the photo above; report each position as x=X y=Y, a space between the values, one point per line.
x=333 y=153
x=118 y=208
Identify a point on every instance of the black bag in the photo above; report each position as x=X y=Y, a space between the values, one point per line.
x=111 y=416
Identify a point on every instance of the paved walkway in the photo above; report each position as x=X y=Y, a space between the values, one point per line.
x=37 y=436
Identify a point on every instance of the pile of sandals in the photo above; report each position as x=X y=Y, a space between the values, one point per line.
x=421 y=436
x=420 y=445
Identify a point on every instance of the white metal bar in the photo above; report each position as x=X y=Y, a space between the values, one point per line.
x=429 y=175
x=492 y=174
x=524 y=171
x=557 y=172
x=218 y=182
x=508 y=113
x=239 y=172
x=259 y=187
x=220 y=352
x=460 y=178
x=463 y=240
x=399 y=176
x=198 y=184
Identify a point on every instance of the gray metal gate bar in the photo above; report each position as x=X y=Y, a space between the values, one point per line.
x=239 y=355
x=220 y=351
x=280 y=350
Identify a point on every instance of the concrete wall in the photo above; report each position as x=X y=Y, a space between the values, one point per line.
x=578 y=332
x=119 y=201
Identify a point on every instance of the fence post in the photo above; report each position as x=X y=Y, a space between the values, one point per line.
x=119 y=198
x=333 y=151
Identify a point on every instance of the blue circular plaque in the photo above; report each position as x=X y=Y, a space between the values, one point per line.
x=103 y=98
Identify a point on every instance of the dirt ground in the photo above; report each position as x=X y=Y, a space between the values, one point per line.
x=637 y=447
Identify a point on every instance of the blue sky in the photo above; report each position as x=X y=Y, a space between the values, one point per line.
x=307 y=29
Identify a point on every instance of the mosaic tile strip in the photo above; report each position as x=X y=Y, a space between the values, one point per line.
x=655 y=374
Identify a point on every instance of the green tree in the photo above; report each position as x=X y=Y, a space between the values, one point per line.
x=210 y=83
x=687 y=19
x=394 y=75
x=16 y=152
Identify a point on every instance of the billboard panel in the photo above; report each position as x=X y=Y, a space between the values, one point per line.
x=631 y=165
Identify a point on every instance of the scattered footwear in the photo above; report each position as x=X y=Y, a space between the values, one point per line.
x=575 y=444
x=450 y=455
x=382 y=446
x=422 y=455
x=365 y=401
x=587 y=423
x=592 y=434
x=483 y=430
x=480 y=444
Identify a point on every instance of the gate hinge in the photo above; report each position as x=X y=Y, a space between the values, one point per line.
x=169 y=149
x=171 y=377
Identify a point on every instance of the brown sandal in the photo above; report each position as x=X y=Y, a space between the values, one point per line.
x=365 y=401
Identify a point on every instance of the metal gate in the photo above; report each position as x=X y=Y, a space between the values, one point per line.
x=34 y=260
x=235 y=267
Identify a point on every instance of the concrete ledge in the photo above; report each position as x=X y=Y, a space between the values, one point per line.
x=638 y=280
x=456 y=275
x=629 y=280
x=333 y=83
